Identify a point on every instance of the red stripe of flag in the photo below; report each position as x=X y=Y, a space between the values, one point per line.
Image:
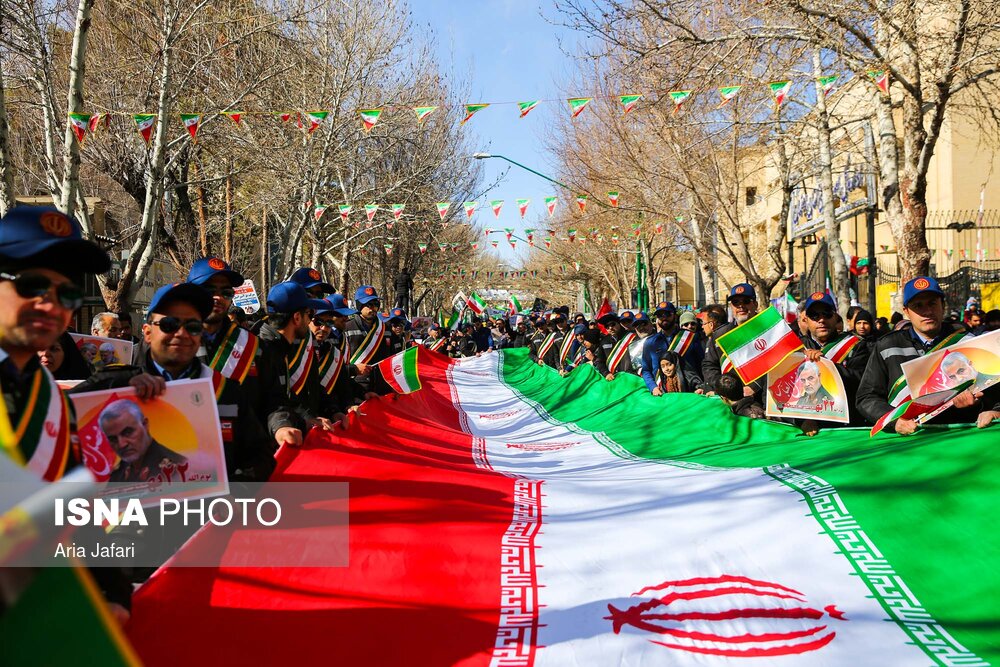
x=762 y=363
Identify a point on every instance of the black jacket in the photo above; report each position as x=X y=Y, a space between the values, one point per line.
x=312 y=401
x=885 y=367
x=711 y=366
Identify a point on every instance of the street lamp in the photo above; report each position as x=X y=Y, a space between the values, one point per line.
x=485 y=156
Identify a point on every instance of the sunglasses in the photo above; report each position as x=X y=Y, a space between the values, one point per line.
x=818 y=315
x=171 y=325
x=36 y=286
x=321 y=322
x=224 y=292
x=374 y=303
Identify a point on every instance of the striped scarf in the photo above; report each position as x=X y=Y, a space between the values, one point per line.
x=41 y=440
x=331 y=365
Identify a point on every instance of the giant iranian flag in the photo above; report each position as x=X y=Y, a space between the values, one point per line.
x=504 y=515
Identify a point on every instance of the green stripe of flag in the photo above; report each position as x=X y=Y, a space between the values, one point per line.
x=749 y=331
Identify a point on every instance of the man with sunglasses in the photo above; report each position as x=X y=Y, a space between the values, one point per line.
x=327 y=327
x=172 y=336
x=43 y=261
x=287 y=337
x=237 y=354
x=845 y=350
x=742 y=301
x=366 y=334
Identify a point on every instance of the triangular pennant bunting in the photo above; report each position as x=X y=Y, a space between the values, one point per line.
x=192 y=121
x=423 y=112
x=471 y=110
x=522 y=206
x=550 y=205
x=369 y=117
x=628 y=102
x=526 y=107
x=144 y=124
x=780 y=91
x=578 y=104
x=678 y=97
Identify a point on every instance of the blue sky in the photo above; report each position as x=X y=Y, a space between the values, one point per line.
x=508 y=53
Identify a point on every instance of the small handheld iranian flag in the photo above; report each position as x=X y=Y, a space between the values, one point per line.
x=550 y=204
x=144 y=123
x=400 y=371
x=628 y=102
x=476 y=304
x=369 y=117
x=79 y=122
x=192 y=121
x=423 y=112
x=370 y=211
x=496 y=205
x=727 y=93
x=442 y=208
x=920 y=406
x=526 y=107
x=613 y=198
x=522 y=206
x=759 y=344
x=678 y=97
x=470 y=208
x=581 y=201
x=471 y=110
x=827 y=83
x=515 y=305
x=780 y=91
x=578 y=104
x=397 y=210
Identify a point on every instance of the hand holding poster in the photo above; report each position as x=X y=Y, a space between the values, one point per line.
x=805 y=389
x=156 y=444
x=975 y=358
x=101 y=352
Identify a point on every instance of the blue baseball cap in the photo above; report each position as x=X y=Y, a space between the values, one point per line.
x=820 y=297
x=309 y=277
x=434 y=327
x=921 y=285
x=338 y=305
x=364 y=294
x=44 y=237
x=289 y=297
x=641 y=317
x=664 y=307
x=627 y=317
x=397 y=314
x=743 y=289
x=579 y=329
x=207 y=267
x=608 y=317
x=195 y=295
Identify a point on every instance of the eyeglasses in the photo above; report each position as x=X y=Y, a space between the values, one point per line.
x=321 y=322
x=36 y=286
x=171 y=325
x=225 y=292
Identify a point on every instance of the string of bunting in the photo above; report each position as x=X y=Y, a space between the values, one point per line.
x=310 y=121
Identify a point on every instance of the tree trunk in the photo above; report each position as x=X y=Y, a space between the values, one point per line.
x=838 y=268
x=75 y=104
x=345 y=263
x=265 y=265
x=228 y=238
x=7 y=200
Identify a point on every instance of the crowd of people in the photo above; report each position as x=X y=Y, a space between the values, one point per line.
x=311 y=359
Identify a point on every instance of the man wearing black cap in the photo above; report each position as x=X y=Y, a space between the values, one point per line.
x=327 y=327
x=670 y=337
x=286 y=335
x=883 y=385
x=743 y=301
x=615 y=346
x=172 y=335
x=436 y=339
x=562 y=340
x=847 y=351
x=538 y=339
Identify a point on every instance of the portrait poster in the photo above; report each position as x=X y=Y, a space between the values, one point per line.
x=974 y=358
x=101 y=352
x=802 y=389
x=246 y=298
x=170 y=446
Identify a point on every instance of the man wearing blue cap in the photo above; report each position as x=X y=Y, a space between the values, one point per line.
x=743 y=303
x=333 y=368
x=883 y=385
x=366 y=333
x=845 y=350
x=286 y=335
x=615 y=345
x=43 y=261
x=312 y=282
x=670 y=337
x=538 y=340
x=397 y=339
x=172 y=334
x=436 y=339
